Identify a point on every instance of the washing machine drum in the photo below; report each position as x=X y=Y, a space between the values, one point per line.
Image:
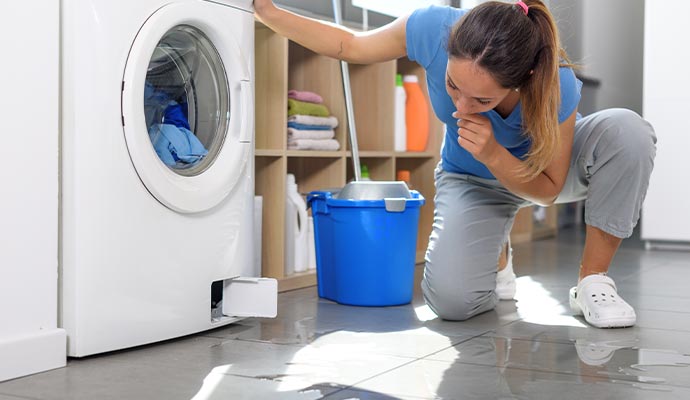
x=186 y=136
x=186 y=100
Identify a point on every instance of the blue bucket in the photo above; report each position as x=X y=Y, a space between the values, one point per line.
x=365 y=249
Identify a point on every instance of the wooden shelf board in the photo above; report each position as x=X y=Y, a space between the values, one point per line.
x=314 y=153
x=297 y=281
x=415 y=154
x=268 y=153
x=372 y=154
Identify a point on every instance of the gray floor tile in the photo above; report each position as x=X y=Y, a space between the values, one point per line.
x=668 y=280
x=530 y=348
x=105 y=379
x=8 y=397
x=446 y=380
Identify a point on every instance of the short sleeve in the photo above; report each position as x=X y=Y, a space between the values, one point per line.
x=570 y=93
x=427 y=32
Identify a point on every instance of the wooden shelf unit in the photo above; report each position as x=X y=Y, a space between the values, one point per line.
x=282 y=65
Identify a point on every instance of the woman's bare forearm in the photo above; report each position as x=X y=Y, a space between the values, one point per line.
x=329 y=39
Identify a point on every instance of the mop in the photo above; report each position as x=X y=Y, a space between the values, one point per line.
x=359 y=189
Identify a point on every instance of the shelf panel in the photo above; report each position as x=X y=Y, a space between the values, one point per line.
x=271 y=51
x=297 y=281
x=268 y=153
x=396 y=154
x=416 y=154
x=371 y=153
x=314 y=153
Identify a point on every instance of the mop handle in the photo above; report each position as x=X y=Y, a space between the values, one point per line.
x=348 y=101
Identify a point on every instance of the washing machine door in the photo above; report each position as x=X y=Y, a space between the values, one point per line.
x=187 y=103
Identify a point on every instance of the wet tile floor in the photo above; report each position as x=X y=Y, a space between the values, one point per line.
x=532 y=348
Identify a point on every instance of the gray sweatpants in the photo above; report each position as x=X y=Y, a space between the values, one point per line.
x=612 y=159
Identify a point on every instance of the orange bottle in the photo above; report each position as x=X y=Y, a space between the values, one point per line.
x=416 y=114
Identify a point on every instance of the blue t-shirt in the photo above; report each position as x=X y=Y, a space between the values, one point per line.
x=428 y=30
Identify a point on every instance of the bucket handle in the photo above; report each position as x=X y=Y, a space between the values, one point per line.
x=320 y=206
x=395 y=204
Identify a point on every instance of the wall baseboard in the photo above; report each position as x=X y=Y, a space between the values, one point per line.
x=32 y=353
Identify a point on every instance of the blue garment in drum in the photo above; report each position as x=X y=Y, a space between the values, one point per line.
x=175 y=144
x=159 y=107
x=174 y=115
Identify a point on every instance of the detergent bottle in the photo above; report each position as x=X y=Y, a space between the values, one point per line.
x=416 y=114
x=296 y=235
x=364 y=172
x=399 y=131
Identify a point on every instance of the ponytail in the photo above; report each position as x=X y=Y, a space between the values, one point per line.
x=520 y=50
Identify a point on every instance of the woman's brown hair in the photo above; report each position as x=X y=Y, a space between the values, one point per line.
x=521 y=51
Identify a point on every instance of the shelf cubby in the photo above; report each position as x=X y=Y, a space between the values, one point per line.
x=317 y=173
x=270 y=184
x=380 y=168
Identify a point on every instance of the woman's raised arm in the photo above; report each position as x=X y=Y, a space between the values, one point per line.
x=382 y=44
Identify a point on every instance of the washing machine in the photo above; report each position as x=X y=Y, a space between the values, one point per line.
x=157 y=177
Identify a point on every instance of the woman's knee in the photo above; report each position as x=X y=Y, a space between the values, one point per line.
x=630 y=134
x=457 y=301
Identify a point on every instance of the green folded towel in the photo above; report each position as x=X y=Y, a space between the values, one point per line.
x=303 y=108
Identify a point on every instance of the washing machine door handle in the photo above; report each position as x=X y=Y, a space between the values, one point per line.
x=247 y=118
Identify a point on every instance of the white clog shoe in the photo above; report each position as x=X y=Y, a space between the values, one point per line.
x=596 y=299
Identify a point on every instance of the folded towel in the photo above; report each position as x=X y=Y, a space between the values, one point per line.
x=311 y=120
x=174 y=144
x=302 y=95
x=301 y=107
x=313 y=144
x=309 y=134
x=307 y=127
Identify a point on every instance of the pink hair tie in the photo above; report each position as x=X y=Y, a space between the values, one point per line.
x=523 y=6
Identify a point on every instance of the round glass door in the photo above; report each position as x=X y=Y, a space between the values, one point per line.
x=187 y=104
x=186 y=101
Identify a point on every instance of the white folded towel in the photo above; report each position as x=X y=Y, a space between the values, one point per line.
x=294 y=134
x=312 y=120
x=313 y=144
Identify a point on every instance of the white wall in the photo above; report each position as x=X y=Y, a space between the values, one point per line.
x=613 y=41
x=29 y=339
x=606 y=38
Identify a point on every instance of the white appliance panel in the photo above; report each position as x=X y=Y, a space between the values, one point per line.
x=135 y=269
x=665 y=214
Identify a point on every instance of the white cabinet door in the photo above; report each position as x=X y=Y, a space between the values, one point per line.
x=666 y=212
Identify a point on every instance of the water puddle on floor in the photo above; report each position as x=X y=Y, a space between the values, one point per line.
x=222 y=384
x=645 y=369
